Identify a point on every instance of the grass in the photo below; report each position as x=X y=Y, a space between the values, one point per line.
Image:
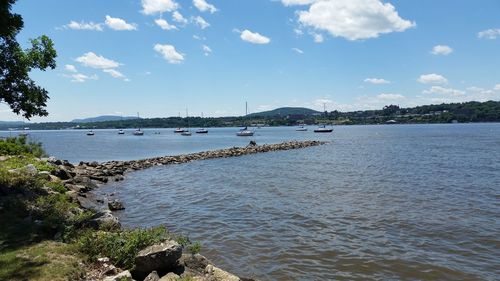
x=21 y=161
x=47 y=260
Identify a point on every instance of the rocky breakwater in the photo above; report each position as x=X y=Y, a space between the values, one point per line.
x=114 y=170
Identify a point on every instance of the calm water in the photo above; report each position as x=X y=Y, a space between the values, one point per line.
x=416 y=202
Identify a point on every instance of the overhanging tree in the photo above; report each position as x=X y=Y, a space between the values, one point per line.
x=17 y=89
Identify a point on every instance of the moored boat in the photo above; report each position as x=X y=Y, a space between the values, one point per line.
x=90 y=133
x=121 y=132
x=202 y=131
x=323 y=129
x=138 y=132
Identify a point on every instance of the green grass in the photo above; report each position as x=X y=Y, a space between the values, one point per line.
x=194 y=248
x=44 y=261
x=19 y=162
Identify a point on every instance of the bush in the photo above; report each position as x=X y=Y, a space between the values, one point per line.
x=19 y=146
x=121 y=247
x=194 y=248
x=57 y=187
x=54 y=210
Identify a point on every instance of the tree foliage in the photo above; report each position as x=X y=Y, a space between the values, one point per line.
x=17 y=89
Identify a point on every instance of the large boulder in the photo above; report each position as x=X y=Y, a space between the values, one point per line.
x=160 y=257
x=170 y=277
x=62 y=173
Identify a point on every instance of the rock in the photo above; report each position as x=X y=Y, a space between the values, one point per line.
x=62 y=173
x=194 y=263
x=104 y=219
x=103 y=259
x=153 y=276
x=159 y=257
x=76 y=188
x=45 y=175
x=122 y=276
x=217 y=274
x=170 y=277
x=115 y=205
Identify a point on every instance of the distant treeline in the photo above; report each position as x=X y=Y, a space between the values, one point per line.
x=443 y=113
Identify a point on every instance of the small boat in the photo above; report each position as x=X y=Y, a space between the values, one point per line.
x=90 y=133
x=301 y=129
x=179 y=130
x=138 y=132
x=186 y=133
x=323 y=129
x=121 y=132
x=23 y=134
x=202 y=131
x=244 y=133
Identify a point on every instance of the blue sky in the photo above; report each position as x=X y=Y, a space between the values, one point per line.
x=159 y=57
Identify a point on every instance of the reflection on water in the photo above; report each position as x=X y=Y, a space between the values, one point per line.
x=379 y=203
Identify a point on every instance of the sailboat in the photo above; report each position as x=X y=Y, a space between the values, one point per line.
x=323 y=128
x=90 y=133
x=245 y=132
x=121 y=132
x=138 y=132
x=202 y=130
x=301 y=128
x=186 y=132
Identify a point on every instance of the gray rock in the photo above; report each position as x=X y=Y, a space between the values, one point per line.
x=115 y=205
x=194 y=263
x=153 y=276
x=170 y=277
x=62 y=173
x=217 y=274
x=104 y=219
x=159 y=257
x=31 y=170
x=122 y=276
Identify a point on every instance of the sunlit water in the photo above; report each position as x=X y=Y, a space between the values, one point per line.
x=416 y=202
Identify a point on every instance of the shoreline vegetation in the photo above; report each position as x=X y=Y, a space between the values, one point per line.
x=51 y=229
x=467 y=112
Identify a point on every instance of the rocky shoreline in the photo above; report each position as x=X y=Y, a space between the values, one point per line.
x=164 y=261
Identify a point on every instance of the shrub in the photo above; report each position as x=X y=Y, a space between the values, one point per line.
x=194 y=248
x=19 y=146
x=121 y=247
x=54 y=210
x=57 y=187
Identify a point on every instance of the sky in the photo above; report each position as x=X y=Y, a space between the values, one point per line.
x=161 y=57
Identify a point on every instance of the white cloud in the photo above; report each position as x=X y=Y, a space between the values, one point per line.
x=169 y=53
x=119 y=24
x=489 y=34
x=70 y=68
x=80 y=78
x=298 y=31
x=352 y=19
x=441 y=50
x=318 y=38
x=390 y=97
x=497 y=87
x=297 y=2
x=254 y=37
x=178 y=17
x=206 y=50
x=114 y=73
x=150 y=7
x=201 y=22
x=444 y=91
x=377 y=81
x=432 y=78
x=90 y=59
x=163 y=24
x=297 y=50
x=203 y=6
x=83 y=26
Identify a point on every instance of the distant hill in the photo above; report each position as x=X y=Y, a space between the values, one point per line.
x=103 y=118
x=284 y=111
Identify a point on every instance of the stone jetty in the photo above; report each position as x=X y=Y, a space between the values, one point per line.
x=114 y=170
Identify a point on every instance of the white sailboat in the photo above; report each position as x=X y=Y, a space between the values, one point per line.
x=245 y=132
x=301 y=128
x=202 y=130
x=138 y=132
x=186 y=132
